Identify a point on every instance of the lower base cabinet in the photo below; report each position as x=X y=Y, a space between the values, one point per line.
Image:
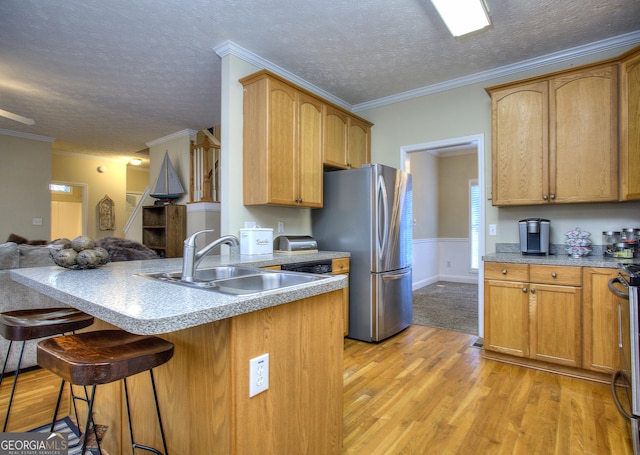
x=600 y=319
x=534 y=312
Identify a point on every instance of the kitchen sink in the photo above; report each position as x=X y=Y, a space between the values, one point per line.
x=238 y=280
x=264 y=282
x=206 y=275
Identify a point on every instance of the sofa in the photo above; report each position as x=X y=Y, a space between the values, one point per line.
x=15 y=296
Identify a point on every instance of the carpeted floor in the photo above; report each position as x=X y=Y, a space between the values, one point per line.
x=447 y=305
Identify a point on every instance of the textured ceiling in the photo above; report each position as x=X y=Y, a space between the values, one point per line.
x=108 y=76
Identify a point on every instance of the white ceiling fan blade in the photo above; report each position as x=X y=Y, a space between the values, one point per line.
x=16 y=117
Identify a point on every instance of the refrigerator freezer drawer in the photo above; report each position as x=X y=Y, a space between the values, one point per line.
x=392 y=303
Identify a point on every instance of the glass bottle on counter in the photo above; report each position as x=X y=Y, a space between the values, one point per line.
x=609 y=240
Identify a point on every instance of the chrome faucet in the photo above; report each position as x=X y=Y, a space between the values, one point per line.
x=191 y=258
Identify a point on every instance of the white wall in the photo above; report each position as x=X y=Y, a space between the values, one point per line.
x=233 y=212
x=25 y=174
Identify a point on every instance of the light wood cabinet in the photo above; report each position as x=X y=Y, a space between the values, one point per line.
x=164 y=228
x=289 y=136
x=600 y=316
x=282 y=143
x=534 y=312
x=555 y=138
x=341 y=267
x=347 y=140
x=555 y=305
x=630 y=125
x=506 y=300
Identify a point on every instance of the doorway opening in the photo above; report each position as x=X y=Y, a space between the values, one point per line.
x=68 y=210
x=432 y=264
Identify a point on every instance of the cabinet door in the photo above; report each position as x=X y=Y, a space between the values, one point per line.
x=583 y=110
x=282 y=157
x=519 y=132
x=310 y=114
x=630 y=126
x=335 y=138
x=556 y=328
x=359 y=143
x=506 y=323
x=600 y=318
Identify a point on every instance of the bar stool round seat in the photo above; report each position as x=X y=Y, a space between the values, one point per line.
x=104 y=356
x=30 y=324
x=22 y=325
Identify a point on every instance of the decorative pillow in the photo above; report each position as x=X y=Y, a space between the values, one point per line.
x=9 y=256
x=34 y=256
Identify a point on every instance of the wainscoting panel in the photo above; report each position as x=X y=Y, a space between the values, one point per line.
x=444 y=259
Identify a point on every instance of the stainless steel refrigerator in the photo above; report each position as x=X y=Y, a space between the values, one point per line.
x=368 y=213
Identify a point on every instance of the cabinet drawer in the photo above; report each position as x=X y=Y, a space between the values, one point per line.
x=506 y=271
x=552 y=274
x=339 y=266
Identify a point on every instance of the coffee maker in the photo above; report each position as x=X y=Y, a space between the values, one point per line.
x=534 y=236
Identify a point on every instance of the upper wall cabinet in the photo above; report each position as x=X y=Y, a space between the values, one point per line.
x=554 y=138
x=347 y=140
x=630 y=125
x=282 y=159
x=289 y=134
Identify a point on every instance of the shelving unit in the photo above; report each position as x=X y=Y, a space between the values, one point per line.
x=164 y=228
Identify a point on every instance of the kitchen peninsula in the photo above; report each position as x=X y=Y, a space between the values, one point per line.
x=204 y=388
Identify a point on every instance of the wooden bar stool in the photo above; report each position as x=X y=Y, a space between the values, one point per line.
x=101 y=357
x=24 y=325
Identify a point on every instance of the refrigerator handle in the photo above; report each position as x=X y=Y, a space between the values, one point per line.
x=397 y=276
x=382 y=198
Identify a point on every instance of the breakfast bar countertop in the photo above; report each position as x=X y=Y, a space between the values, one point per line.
x=117 y=294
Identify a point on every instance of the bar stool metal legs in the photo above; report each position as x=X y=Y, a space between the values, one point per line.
x=15 y=381
x=135 y=445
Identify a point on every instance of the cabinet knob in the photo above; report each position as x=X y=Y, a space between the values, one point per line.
x=553 y=274
x=524 y=289
x=553 y=196
x=504 y=271
x=533 y=290
x=545 y=197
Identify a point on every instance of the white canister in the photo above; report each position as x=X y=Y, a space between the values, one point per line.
x=256 y=241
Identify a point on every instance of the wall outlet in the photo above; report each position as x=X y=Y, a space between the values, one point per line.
x=493 y=229
x=280 y=227
x=37 y=221
x=258 y=374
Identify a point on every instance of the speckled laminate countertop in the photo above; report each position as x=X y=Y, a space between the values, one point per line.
x=117 y=295
x=560 y=259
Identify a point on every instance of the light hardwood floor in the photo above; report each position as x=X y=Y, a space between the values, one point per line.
x=428 y=391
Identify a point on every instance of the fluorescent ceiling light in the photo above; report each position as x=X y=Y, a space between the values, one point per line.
x=16 y=117
x=462 y=16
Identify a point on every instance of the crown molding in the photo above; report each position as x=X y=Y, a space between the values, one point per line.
x=170 y=137
x=34 y=137
x=231 y=48
x=628 y=39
